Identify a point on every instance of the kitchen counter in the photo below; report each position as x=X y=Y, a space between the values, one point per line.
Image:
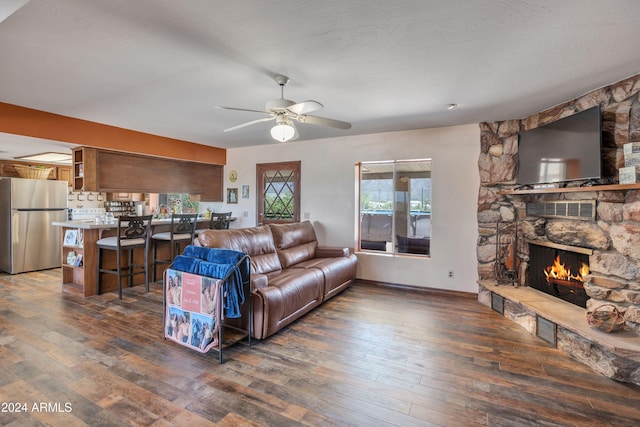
x=82 y=279
x=92 y=225
x=84 y=225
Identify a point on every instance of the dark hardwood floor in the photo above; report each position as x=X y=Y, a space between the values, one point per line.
x=372 y=356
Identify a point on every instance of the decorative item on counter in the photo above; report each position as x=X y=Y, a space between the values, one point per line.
x=70 y=196
x=177 y=206
x=100 y=197
x=90 y=197
x=80 y=197
x=162 y=212
x=606 y=317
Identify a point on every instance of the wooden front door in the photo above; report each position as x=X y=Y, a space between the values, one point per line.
x=278 y=194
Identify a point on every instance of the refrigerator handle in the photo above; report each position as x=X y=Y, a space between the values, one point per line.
x=38 y=209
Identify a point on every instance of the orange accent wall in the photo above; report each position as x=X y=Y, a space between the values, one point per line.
x=40 y=124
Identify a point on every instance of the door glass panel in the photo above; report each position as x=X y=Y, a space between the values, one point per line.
x=279 y=196
x=279 y=189
x=376 y=206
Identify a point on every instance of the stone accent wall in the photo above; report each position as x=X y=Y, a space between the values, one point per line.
x=614 y=236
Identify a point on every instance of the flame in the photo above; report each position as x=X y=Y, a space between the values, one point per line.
x=559 y=271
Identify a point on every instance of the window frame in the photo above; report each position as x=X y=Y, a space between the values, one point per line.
x=411 y=246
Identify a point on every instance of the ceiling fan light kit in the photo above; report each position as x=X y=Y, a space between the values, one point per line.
x=284 y=112
x=283 y=132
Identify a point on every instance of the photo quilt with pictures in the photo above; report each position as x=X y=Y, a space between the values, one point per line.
x=192 y=315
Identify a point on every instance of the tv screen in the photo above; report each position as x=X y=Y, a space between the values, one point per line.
x=568 y=149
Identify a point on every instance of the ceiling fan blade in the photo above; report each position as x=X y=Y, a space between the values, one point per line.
x=296 y=135
x=253 y=122
x=305 y=107
x=241 y=109
x=323 y=121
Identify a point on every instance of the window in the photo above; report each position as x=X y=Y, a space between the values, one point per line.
x=167 y=203
x=395 y=206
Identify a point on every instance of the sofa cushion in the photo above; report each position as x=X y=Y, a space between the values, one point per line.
x=290 y=294
x=295 y=242
x=257 y=242
x=338 y=272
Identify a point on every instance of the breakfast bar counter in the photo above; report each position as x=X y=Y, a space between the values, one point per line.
x=79 y=254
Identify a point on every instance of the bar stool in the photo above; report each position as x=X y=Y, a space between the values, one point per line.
x=218 y=221
x=132 y=233
x=183 y=227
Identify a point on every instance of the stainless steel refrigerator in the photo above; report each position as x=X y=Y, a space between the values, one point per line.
x=28 y=241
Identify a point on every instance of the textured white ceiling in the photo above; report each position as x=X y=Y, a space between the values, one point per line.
x=160 y=66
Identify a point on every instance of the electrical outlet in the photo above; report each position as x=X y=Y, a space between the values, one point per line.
x=451 y=274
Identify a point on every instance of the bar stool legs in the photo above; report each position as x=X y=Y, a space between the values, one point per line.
x=183 y=227
x=174 y=248
x=132 y=233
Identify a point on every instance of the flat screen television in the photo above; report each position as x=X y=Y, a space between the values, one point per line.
x=568 y=149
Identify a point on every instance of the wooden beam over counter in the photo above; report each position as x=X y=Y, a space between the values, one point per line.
x=114 y=171
x=41 y=124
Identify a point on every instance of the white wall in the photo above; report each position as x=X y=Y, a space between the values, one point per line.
x=328 y=197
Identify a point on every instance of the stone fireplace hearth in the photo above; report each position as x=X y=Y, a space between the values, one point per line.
x=610 y=231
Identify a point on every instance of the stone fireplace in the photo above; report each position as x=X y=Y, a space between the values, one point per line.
x=600 y=224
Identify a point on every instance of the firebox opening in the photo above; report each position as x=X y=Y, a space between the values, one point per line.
x=558 y=272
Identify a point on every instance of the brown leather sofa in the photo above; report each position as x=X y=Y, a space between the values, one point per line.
x=290 y=273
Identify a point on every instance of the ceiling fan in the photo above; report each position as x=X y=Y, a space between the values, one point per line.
x=285 y=112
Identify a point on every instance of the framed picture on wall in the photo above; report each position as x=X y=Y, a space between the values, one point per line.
x=232 y=195
x=245 y=191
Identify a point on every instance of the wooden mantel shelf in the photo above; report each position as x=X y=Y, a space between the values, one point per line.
x=610 y=187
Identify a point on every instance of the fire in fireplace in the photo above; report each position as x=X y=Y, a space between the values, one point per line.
x=558 y=272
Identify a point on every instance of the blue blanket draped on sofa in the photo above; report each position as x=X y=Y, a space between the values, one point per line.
x=232 y=267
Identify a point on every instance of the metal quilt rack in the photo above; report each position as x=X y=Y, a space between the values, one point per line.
x=236 y=333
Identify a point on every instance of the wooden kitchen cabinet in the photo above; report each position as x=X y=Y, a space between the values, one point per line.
x=65 y=174
x=84 y=169
x=9 y=169
x=62 y=173
x=128 y=175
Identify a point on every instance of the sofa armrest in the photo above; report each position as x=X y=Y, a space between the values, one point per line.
x=330 y=252
x=259 y=281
